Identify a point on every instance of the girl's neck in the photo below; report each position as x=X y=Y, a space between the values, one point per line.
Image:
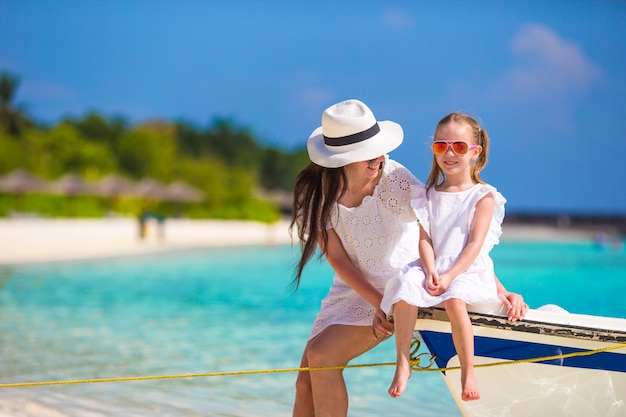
x=456 y=183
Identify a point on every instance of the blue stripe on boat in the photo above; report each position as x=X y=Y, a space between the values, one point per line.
x=441 y=344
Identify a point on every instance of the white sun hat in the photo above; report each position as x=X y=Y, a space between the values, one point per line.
x=350 y=133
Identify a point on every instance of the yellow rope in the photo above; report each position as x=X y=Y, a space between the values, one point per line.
x=210 y=374
x=414 y=365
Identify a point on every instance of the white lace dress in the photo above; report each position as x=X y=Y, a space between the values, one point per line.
x=380 y=236
x=447 y=218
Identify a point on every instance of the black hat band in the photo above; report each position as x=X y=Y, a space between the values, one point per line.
x=354 y=138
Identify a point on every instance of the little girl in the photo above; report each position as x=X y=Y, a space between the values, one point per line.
x=460 y=221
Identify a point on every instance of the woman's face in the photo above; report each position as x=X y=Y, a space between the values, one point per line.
x=367 y=169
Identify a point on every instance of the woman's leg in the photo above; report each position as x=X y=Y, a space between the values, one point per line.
x=463 y=338
x=404 y=316
x=323 y=393
x=303 y=405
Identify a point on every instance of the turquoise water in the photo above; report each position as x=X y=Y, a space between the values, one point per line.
x=218 y=310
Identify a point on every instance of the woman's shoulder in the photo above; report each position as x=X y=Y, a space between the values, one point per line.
x=395 y=171
x=392 y=165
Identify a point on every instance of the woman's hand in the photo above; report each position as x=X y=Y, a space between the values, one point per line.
x=381 y=327
x=515 y=305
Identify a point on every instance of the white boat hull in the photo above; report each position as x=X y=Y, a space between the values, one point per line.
x=582 y=385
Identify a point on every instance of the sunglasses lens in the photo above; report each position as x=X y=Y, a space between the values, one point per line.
x=459 y=148
x=440 y=147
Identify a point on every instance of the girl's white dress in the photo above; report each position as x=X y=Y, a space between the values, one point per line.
x=380 y=236
x=447 y=218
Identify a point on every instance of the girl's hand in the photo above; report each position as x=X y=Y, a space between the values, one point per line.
x=432 y=283
x=437 y=284
x=444 y=283
x=381 y=327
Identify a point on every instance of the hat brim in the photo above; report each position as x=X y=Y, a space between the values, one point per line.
x=385 y=141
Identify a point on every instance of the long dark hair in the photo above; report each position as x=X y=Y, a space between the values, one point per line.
x=315 y=194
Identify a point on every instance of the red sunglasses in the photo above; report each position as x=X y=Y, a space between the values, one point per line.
x=458 y=147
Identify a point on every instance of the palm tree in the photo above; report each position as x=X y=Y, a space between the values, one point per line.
x=11 y=119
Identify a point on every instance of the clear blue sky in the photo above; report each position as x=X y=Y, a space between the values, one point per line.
x=547 y=78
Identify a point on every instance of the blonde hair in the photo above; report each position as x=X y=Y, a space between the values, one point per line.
x=481 y=137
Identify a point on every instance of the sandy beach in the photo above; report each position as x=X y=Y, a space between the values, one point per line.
x=24 y=240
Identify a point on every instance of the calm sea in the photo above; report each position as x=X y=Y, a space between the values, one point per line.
x=222 y=310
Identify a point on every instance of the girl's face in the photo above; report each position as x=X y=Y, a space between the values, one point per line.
x=451 y=162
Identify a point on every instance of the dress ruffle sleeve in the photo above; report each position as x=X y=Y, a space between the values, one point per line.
x=419 y=203
x=495 y=228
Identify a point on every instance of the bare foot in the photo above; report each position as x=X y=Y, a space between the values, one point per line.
x=398 y=385
x=469 y=388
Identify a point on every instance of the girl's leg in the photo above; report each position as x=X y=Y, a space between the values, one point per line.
x=323 y=393
x=404 y=316
x=463 y=338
